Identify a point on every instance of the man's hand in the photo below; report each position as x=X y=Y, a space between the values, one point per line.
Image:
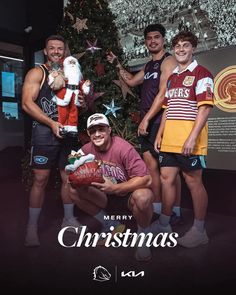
x=189 y=146
x=111 y=57
x=142 y=128
x=107 y=186
x=82 y=102
x=56 y=126
x=157 y=143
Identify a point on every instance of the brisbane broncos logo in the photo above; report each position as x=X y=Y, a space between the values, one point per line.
x=101 y=274
x=225 y=89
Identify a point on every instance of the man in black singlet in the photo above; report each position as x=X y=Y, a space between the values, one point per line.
x=153 y=77
x=48 y=147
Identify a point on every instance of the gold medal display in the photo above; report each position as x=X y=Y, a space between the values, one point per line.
x=225 y=89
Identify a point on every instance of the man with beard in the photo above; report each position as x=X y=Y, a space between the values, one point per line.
x=153 y=77
x=48 y=146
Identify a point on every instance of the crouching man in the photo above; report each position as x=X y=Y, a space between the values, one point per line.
x=126 y=179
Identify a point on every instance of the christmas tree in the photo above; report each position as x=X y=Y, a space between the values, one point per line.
x=90 y=30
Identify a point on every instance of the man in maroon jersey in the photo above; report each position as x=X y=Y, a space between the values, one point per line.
x=182 y=136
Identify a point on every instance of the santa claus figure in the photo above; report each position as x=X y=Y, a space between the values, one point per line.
x=67 y=97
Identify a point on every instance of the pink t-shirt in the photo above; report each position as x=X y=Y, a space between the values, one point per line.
x=121 y=162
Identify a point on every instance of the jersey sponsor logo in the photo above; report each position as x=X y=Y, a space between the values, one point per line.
x=151 y=75
x=188 y=80
x=225 y=89
x=41 y=160
x=179 y=93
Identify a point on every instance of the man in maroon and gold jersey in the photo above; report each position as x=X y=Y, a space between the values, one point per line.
x=182 y=137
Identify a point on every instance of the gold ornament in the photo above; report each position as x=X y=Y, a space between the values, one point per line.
x=79 y=54
x=80 y=24
x=99 y=4
x=124 y=88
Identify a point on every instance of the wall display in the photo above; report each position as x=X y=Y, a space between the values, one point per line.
x=8 y=84
x=222 y=121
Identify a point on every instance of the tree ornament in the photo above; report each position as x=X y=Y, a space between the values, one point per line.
x=124 y=87
x=111 y=108
x=91 y=97
x=135 y=117
x=79 y=54
x=100 y=69
x=99 y=4
x=92 y=46
x=80 y=24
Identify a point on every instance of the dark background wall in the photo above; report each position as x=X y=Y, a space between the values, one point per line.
x=44 y=17
x=16 y=15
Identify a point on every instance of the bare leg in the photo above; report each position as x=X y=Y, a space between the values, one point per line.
x=37 y=193
x=89 y=199
x=152 y=165
x=141 y=206
x=199 y=195
x=168 y=180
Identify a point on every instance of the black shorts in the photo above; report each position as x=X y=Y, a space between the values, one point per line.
x=118 y=204
x=48 y=156
x=185 y=163
x=147 y=141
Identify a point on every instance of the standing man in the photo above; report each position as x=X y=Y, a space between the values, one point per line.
x=153 y=77
x=126 y=176
x=183 y=135
x=47 y=143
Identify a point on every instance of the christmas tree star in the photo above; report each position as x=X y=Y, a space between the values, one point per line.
x=124 y=88
x=91 y=97
x=92 y=46
x=79 y=55
x=80 y=24
x=111 y=108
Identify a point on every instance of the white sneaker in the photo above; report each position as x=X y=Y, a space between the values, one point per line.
x=143 y=253
x=71 y=222
x=31 y=239
x=157 y=228
x=193 y=238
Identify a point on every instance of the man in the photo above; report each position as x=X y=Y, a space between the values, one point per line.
x=182 y=136
x=153 y=77
x=47 y=143
x=126 y=179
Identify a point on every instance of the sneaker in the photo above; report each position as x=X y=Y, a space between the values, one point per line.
x=174 y=219
x=118 y=228
x=157 y=228
x=193 y=238
x=31 y=239
x=71 y=222
x=143 y=253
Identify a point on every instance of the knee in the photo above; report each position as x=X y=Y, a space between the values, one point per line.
x=142 y=199
x=166 y=180
x=40 y=180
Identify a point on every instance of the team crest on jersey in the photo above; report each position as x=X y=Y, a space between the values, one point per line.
x=156 y=66
x=188 y=80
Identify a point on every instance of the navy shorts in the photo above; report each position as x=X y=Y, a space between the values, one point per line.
x=185 y=163
x=147 y=141
x=48 y=156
